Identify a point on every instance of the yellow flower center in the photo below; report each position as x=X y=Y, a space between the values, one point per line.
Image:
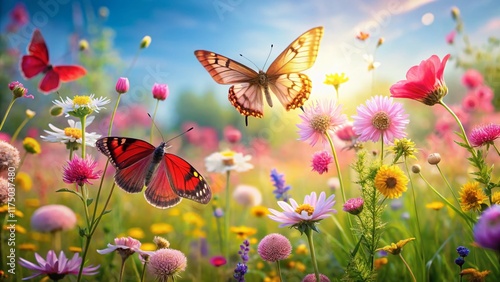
x=228 y=158
x=73 y=132
x=381 y=121
x=305 y=207
x=31 y=145
x=81 y=100
x=320 y=123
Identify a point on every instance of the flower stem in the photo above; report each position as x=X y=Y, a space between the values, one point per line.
x=113 y=114
x=337 y=166
x=382 y=149
x=143 y=271
x=226 y=216
x=408 y=267
x=122 y=268
x=153 y=121
x=496 y=149
x=279 y=270
x=416 y=210
x=7 y=113
x=460 y=125
x=16 y=133
x=83 y=120
x=308 y=232
x=448 y=184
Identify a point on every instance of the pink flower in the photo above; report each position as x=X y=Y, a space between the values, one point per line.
x=79 y=171
x=57 y=267
x=319 y=119
x=218 y=261
x=18 y=90
x=450 y=37
x=312 y=210
x=166 y=263
x=424 y=83
x=160 y=91
x=125 y=246
x=274 y=247
x=353 y=206
x=312 y=278
x=380 y=118
x=484 y=134
x=321 y=161
x=232 y=135
x=472 y=78
x=487 y=229
x=122 y=85
x=19 y=15
x=52 y=218
x=346 y=133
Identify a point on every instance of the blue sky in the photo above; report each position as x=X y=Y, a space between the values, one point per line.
x=231 y=27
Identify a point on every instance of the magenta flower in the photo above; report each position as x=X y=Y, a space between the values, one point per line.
x=232 y=135
x=450 y=37
x=57 y=267
x=125 y=246
x=424 y=83
x=80 y=171
x=487 y=229
x=166 y=263
x=346 y=133
x=18 y=90
x=122 y=85
x=321 y=161
x=484 y=134
x=218 y=261
x=274 y=247
x=305 y=215
x=312 y=278
x=160 y=91
x=52 y=218
x=353 y=206
x=472 y=79
x=380 y=118
x=319 y=119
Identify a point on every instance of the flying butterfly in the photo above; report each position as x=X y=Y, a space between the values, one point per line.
x=283 y=77
x=168 y=177
x=38 y=62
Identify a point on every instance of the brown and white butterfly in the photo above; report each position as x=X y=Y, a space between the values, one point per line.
x=283 y=77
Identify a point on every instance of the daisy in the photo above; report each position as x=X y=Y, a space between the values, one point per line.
x=424 y=83
x=57 y=268
x=228 y=160
x=380 y=118
x=81 y=106
x=319 y=119
x=71 y=134
x=311 y=211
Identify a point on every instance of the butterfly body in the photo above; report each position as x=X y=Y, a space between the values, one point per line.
x=167 y=177
x=282 y=78
x=37 y=61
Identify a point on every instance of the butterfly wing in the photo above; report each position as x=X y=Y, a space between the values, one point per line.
x=50 y=82
x=131 y=158
x=291 y=87
x=69 y=73
x=159 y=192
x=247 y=99
x=224 y=70
x=38 y=59
x=186 y=181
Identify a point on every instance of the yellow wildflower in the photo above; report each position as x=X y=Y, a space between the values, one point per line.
x=435 y=205
x=395 y=249
x=136 y=232
x=474 y=275
x=243 y=232
x=391 y=181
x=31 y=145
x=23 y=181
x=259 y=211
x=335 y=79
x=472 y=197
x=161 y=228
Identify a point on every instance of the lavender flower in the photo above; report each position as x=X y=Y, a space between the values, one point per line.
x=279 y=182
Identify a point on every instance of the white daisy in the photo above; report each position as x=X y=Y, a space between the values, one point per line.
x=228 y=160
x=72 y=134
x=81 y=105
x=371 y=64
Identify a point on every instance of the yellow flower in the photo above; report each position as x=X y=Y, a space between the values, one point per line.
x=174 y=212
x=391 y=181
x=495 y=198
x=136 y=232
x=259 y=211
x=253 y=241
x=75 y=249
x=148 y=247
x=403 y=148
x=300 y=266
x=193 y=218
x=243 y=232
x=30 y=113
x=395 y=249
x=5 y=208
x=379 y=262
x=31 y=145
x=435 y=206
x=32 y=203
x=146 y=40
x=83 y=45
x=472 y=197
x=198 y=233
x=335 y=79
x=161 y=228
x=260 y=265
x=301 y=249
x=27 y=247
x=474 y=275
x=19 y=229
x=23 y=181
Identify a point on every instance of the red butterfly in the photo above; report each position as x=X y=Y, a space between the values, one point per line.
x=167 y=176
x=38 y=62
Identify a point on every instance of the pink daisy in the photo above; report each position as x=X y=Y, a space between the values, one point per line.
x=319 y=119
x=424 y=83
x=125 y=246
x=312 y=210
x=380 y=118
x=79 y=171
x=57 y=268
x=321 y=161
x=484 y=134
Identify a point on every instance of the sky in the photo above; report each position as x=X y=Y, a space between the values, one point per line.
x=413 y=30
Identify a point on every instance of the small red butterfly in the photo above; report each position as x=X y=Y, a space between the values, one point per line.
x=167 y=177
x=38 y=62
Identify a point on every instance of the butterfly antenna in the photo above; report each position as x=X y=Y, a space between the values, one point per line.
x=268 y=55
x=241 y=55
x=179 y=135
x=154 y=123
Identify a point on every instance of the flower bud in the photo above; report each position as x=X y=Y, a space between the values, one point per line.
x=103 y=12
x=434 y=158
x=30 y=113
x=160 y=91
x=13 y=85
x=232 y=135
x=56 y=111
x=19 y=91
x=416 y=168
x=380 y=41
x=161 y=243
x=122 y=85
x=83 y=45
x=455 y=13
x=146 y=40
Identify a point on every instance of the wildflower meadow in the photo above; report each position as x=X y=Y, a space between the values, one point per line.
x=365 y=149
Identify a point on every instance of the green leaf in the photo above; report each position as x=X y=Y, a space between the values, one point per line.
x=89 y=201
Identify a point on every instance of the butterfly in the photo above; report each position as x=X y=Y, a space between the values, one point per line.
x=168 y=177
x=38 y=62
x=283 y=77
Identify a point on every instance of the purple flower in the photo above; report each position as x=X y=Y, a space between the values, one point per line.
x=79 y=171
x=312 y=278
x=462 y=251
x=487 y=229
x=353 y=206
x=57 y=267
x=166 y=263
x=240 y=271
x=321 y=161
x=160 y=91
x=243 y=252
x=125 y=246
x=279 y=183
x=52 y=218
x=459 y=261
x=122 y=85
x=274 y=247
x=484 y=134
